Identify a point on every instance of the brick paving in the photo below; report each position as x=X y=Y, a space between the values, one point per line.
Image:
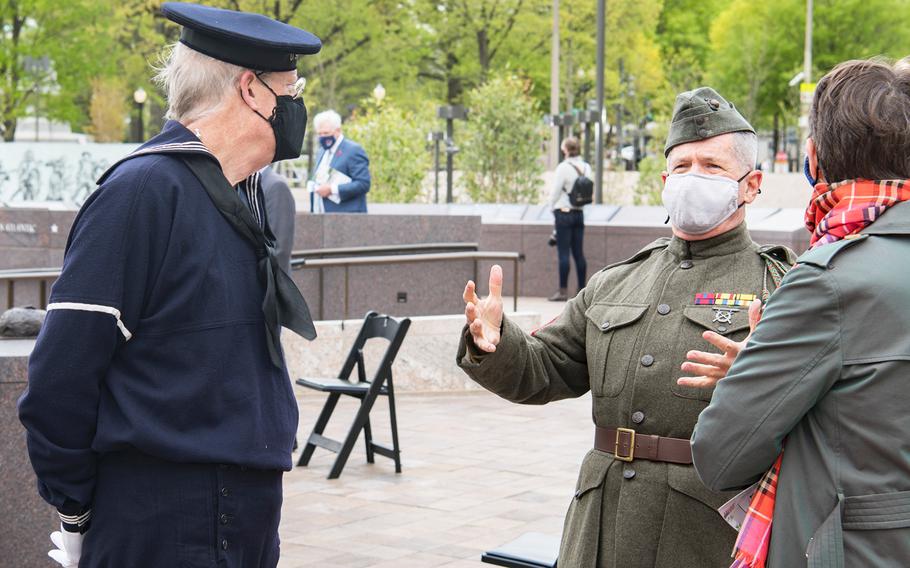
x=477 y=472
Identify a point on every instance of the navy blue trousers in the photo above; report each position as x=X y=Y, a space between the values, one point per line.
x=570 y=237
x=149 y=513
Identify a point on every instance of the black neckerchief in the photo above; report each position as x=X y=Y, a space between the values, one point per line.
x=282 y=305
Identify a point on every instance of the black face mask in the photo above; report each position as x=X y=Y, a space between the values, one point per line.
x=288 y=122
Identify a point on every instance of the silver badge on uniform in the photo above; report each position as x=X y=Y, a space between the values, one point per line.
x=723 y=315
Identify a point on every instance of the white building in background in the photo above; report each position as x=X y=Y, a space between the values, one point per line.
x=30 y=129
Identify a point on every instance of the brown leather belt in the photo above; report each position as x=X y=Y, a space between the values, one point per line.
x=626 y=445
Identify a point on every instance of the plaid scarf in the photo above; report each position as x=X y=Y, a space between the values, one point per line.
x=847 y=207
x=751 y=549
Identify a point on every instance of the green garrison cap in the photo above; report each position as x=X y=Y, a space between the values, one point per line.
x=702 y=114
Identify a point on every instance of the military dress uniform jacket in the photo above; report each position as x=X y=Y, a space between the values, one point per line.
x=154 y=339
x=624 y=338
x=827 y=370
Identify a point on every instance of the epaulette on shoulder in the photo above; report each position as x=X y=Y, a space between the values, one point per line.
x=644 y=253
x=778 y=253
x=823 y=255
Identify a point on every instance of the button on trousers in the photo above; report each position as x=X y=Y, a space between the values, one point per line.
x=150 y=513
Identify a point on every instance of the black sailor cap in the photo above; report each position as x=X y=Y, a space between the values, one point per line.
x=248 y=40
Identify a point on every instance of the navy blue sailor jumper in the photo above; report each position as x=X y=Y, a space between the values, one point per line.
x=154 y=338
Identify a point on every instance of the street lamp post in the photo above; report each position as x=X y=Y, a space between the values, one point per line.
x=807 y=87
x=599 y=96
x=555 y=135
x=436 y=137
x=589 y=118
x=566 y=120
x=451 y=113
x=140 y=96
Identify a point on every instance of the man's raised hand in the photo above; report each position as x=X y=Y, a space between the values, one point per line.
x=712 y=367
x=485 y=316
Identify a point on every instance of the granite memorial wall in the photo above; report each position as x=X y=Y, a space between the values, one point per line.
x=35 y=238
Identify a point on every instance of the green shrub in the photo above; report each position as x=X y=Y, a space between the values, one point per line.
x=500 y=148
x=395 y=141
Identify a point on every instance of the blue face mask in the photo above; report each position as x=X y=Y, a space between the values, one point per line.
x=326 y=142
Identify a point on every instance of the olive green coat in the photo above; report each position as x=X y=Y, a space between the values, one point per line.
x=828 y=368
x=624 y=338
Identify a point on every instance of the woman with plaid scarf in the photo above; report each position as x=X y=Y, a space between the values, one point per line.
x=828 y=367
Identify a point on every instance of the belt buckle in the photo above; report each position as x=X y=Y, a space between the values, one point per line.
x=631 y=455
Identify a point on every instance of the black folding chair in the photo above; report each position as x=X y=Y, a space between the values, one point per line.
x=374 y=326
x=530 y=550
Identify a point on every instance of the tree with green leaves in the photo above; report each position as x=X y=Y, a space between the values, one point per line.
x=683 y=33
x=634 y=81
x=466 y=40
x=49 y=52
x=501 y=144
x=757 y=47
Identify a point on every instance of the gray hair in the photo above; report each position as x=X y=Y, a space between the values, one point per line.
x=328 y=117
x=744 y=147
x=195 y=84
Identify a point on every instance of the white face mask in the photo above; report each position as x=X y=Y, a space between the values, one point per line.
x=698 y=203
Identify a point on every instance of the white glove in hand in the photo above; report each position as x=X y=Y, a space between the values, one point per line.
x=69 y=548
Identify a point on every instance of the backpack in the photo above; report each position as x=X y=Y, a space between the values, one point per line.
x=582 y=190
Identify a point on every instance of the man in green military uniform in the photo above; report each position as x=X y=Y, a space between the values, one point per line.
x=639 y=502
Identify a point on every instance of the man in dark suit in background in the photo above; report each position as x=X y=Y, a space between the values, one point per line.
x=341 y=178
x=280 y=209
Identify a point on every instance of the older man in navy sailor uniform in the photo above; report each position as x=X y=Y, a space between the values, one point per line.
x=159 y=412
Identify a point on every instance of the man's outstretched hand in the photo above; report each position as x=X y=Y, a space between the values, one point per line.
x=712 y=367
x=485 y=316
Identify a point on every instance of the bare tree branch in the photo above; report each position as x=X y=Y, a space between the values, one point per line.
x=339 y=57
x=466 y=11
x=327 y=38
x=508 y=29
x=294 y=7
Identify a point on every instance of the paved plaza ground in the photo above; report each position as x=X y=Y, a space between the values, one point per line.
x=477 y=472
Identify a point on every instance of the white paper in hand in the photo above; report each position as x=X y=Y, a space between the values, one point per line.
x=336 y=178
x=734 y=511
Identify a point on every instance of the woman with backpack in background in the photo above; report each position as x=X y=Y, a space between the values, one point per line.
x=572 y=190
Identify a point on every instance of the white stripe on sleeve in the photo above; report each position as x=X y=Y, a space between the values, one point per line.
x=93 y=308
